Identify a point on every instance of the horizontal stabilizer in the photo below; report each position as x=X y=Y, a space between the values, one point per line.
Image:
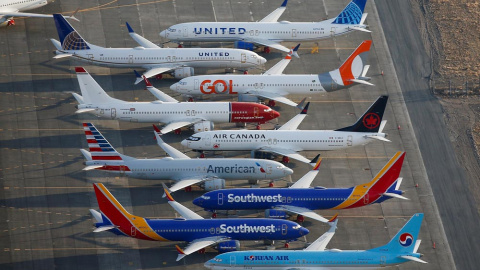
x=360 y=29
x=411 y=258
x=85 y=110
x=395 y=195
x=361 y=82
x=104 y=228
x=86 y=154
x=96 y=215
x=379 y=138
x=92 y=167
x=63 y=55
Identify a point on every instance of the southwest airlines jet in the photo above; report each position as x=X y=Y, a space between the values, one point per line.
x=269 y=32
x=156 y=60
x=275 y=85
x=14 y=8
x=302 y=199
x=202 y=115
x=402 y=248
x=192 y=228
x=287 y=140
x=211 y=173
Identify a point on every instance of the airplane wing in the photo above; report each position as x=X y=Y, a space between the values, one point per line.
x=268 y=43
x=293 y=123
x=182 y=210
x=302 y=211
x=35 y=15
x=157 y=93
x=154 y=71
x=174 y=153
x=278 y=68
x=323 y=240
x=273 y=17
x=175 y=125
x=139 y=39
x=307 y=179
x=183 y=183
x=199 y=244
x=286 y=152
x=275 y=96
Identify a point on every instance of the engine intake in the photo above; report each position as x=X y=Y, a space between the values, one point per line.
x=227 y=246
x=214 y=184
x=184 y=72
x=203 y=126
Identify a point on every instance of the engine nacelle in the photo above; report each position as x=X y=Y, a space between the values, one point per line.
x=203 y=126
x=214 y=184
x=227 y=246
x=274 y=213
x=183 y=72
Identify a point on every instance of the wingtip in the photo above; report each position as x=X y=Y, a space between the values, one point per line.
x=80 y=70
x=147 y=82
x=284 y=4
x=137 y=75
x=305 y=109
x=317 y=163
x=296 y=47
x=180 y=250
x=167 y=193
x=334 y=218
x=130 y=29
x=156 y=128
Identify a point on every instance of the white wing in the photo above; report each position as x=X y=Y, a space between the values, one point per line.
x=174 y=153
x=302 y=211
x=286 y=152
x=154 y=71
x=306 y=180
x=323 y=240
x=273 y=17
x=183 y=183
x=275 y=96
x=199 y=244
x=139 y=39
x=179 y=124
x=268 y=43
x=35 y=15
x=278 y=68
x=182 y=210
x=293 y=123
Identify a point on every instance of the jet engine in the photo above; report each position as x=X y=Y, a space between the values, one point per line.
x=214 y=184
x=183 y=72
x=203 y=126
x=274 y=213
x=227 y=246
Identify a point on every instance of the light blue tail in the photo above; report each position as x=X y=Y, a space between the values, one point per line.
x=352 y=13
x=404 y=241
x=69 y=37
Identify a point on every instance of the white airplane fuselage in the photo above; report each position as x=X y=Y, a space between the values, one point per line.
x=298 y=140
x=18 y=6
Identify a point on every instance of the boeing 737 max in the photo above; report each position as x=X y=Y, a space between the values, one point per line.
x=269 y=32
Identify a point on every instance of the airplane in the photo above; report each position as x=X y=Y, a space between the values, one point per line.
x=269 y=32
x=287 y=140
x=402 y=248
x=274 y=85
x=14 y=8
x=211 y=173
x=202 y=115
x=302 y=199
x=192 y=228
x=156 y=60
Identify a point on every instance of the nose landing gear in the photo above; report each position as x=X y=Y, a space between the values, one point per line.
x=10 y=22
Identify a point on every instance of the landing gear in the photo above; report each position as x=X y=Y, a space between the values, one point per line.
x=285 y=159
x=178 y=131
x=287 y=245
x=159 y=76
x=214 y=215
x=266 y=49
x=271 y=103
x=300 y=218
x=270 y=184
x=10 y=22
x=202 y=155
x=190 y=99
x=245 y=72
x=201 y=251
x=180 y=45
x=258 y=127
x=188 y=189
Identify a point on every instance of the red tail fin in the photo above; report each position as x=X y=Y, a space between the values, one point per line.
x=353 y=66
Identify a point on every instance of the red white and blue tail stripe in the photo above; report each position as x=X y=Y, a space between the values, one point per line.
x=98 y=146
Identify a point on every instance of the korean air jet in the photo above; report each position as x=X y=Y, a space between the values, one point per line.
x=14 y=8
x=191 y=228
x=211 y=173
x=287 y=140
x=156 y=60
x=175 y=115
x=402 y=248
x=302 y=199
x=269 y=32
x=275 y=86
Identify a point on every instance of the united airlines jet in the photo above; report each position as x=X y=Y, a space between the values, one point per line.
x=190 y=227
x=275 y=85
x=14 y=8
x=302 y=199
x=402 y=248
x=269 y=32
x=210 y=173
x=156 y=60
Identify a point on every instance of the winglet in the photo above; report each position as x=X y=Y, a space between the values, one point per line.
x=130 y=29
x=304 y=111
x=300 y=105
x=334 y=218
x=167 y=193
x=179 y=250
x=80 y=70
x=147 y=82
x=137 y=74
x=294 y=51
x=284 y=4
x=317 y=164
x=315 y=159
x=156 y=128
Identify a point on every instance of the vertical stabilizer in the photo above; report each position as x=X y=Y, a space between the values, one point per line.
x=352 y=13
x=92 y=92
x=70 y=39
x=99 y=147
x=355 y=64
x=371 y=119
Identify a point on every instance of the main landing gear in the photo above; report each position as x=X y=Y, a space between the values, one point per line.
x=214 y=215
x=271 y=103
x=266 y=49
x=159 y=76
x=178 y=131
x=10 y=22
x=300 y=218
x=285 y=159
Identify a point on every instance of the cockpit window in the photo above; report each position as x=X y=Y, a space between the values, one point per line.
x=217 y=259
x=193 y=138
x=171 y=29
x=254 y=56
x=205 y=197
x=296 y=227
x=182 y=83
x=268 y=110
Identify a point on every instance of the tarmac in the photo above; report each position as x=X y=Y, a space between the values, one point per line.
x=44 y=202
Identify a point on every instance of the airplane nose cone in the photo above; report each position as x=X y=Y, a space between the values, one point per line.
x=287 y=171
x=198 y=201
x=184 y=142
x=163 y=33
x=173 y=87
x=208 y=265
x=263 y=60
x=304 y=231
x=275 y=114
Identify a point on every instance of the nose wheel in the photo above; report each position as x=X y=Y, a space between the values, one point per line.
x=202 y=155
x=11 y=22
x=270 y=184
x=258 y=127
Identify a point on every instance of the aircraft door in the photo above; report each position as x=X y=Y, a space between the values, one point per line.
x=294 y=32
x=90 y=57
x=196 y=84
x=207 y=140
x=114 y=113
x=366 y=198
x=130 y=59
x=332 y=31
x=257 y=32
x=252 y=33
x=220 y=198
x=244 y=58
x=256 y=112
x=174 y=58
x=349 y=140
x=284 y=229
x=275 y=141
x=133 y=231
x=185 y=31
x=383 y=261
x=269 y=169
x=232 y=260
x=169 y=59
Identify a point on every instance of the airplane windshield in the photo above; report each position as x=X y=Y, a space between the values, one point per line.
x=193 y=138
x=296 y=227
x=268 y=110
x=205 y=197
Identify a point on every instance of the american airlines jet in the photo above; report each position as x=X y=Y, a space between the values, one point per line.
x=275 y=85
x=211 y=173
x=269 y=32
x=14 y=8
x=202 y=115
x=156 y=60
x=287 y=140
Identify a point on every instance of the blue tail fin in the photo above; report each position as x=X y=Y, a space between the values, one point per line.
x=404 y=241
x=352 y=13
x=69 y=37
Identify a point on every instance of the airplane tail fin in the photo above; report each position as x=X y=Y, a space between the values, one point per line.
x=405 y=243
x=100 y=149
x=352 y=13
x=92 y=92
x=70 y=39
x=371 y=120
x=354 y=69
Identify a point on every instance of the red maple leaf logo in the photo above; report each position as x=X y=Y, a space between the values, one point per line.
x=371 y=120
x=216 y=146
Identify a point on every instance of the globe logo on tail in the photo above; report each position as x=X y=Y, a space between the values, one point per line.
x=371 y=120
x=405 y=239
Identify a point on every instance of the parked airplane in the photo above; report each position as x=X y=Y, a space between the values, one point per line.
x=287 y=140
x=211 y=173
x=192 y=228
x=156 y=60
x=402 y=248
x=274 y=85
x=202 y=115
x=14 y=8
x=269 y=32
x=301 y=199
